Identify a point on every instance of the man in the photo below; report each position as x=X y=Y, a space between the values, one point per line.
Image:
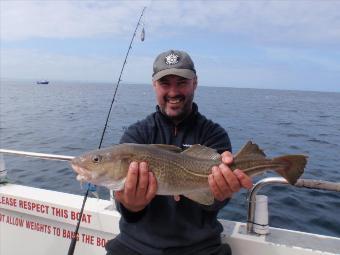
x=153 y=224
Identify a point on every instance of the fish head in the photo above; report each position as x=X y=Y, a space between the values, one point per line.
x=105 y=167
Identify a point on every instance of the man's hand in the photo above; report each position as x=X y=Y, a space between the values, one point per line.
x=139 y=189
x=224 y=182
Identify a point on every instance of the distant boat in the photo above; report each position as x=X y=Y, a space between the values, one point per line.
x=43 y=82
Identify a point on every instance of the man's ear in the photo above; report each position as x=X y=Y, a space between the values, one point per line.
x=195 y=82
x=154 y=84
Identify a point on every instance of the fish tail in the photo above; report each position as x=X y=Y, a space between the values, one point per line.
x=292 y=167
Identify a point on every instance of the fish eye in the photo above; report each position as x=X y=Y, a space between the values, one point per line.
x=96 y=159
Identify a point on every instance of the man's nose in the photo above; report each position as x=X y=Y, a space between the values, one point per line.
x=173 y=90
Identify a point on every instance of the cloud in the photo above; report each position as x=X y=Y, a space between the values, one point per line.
x=276 y=68
x=304 y=22
x=64 y=19
x=234 y=43
x=312 y=59
x=36 y=64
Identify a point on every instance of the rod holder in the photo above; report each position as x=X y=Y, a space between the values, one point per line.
x=261 y=218
x=301 y=183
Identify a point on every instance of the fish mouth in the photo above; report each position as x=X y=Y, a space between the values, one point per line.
x=87 y=176
x=83 y=174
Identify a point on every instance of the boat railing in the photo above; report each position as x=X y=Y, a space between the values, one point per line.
x=301 y=183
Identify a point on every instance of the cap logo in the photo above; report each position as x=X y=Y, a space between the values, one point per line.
x=171 y=59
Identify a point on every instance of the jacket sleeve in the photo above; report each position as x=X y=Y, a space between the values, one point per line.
x=134 y=134
x=131 y=135
x=129 y=216
x=217 y=138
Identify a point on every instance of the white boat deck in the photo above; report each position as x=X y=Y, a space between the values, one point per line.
x=38 y=221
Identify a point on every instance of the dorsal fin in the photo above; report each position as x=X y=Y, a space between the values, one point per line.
x=167 y=147
x=250 y=150
x=202 y=152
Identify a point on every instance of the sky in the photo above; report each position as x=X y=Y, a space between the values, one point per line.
x=278 y=44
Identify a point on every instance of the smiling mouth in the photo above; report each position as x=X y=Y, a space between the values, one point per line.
x=175 y=100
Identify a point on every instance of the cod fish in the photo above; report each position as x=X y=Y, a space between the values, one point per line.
x=179 y=172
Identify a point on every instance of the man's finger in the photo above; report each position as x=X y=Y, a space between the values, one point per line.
x=118 y=195
x=230 y=178
x=143 y=180
x=215 y=189
x=227 y=157
x=244 y=179
x=131 y=179
x=152 y=188
x=220 y=180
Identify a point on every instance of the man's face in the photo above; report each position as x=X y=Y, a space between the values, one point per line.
x=175 y=95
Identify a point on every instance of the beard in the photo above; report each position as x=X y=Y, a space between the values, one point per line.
x=177 y=112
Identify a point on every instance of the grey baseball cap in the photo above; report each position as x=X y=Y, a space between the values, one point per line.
x=174 y=62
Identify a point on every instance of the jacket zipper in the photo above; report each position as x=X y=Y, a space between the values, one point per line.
x=175 y=131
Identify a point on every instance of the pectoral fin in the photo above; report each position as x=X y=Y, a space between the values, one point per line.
x=203 y=197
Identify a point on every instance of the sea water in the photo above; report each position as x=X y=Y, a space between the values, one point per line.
x=68 y=118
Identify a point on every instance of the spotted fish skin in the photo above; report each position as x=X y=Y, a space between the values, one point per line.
x=179 y=172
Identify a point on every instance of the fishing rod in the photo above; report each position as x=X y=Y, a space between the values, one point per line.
x=120 y=75
x=69 y=158
x=91 y=187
